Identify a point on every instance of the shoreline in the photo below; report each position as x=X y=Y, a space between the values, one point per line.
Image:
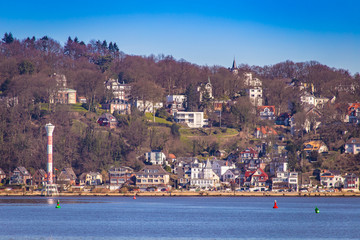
x=188 y=194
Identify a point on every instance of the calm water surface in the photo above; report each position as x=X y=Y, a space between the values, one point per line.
x=179 y=218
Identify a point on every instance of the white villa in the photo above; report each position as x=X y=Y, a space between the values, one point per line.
x=176 y=102
x=155 y=157
x=120 y=91
x=220 y=167
x=310 y=99
x=202 y=175
x=192 y=119
x=147 y=106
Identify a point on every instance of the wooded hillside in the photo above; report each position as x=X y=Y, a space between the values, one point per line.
x=26 y=67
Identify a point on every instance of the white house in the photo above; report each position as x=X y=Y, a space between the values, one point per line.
x=155 y=157
x=331 y=179
x=307 y=98
x=147 y=106
x=285 y=180
x=179 y=99
x=352 y=146
x=91 y=178
x=255 y=95
x=192 y=119
x=176 y=102
x=63 y=95
x=267 y=112
x=120 y=91
x=310 y=99
x=220 y=167
x=202 y=175
x=232 y=175
x=252 y=82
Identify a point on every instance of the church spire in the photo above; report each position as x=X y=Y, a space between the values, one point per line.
x=234 y=68
x=208 y=164
x=234 y=65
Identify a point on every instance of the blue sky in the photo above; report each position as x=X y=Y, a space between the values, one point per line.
x=202 y=32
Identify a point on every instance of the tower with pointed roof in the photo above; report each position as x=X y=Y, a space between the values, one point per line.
x=234 y=68
x=208 y=170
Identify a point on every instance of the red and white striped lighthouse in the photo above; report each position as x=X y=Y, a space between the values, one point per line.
x=49 y=131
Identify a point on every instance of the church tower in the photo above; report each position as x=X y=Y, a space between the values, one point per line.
x=234 y=68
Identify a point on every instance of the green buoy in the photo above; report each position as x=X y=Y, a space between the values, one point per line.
x=317 y=210
x=58 y=204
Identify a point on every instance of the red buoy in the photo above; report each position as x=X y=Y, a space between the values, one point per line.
x=134 y=197
x=275 y=205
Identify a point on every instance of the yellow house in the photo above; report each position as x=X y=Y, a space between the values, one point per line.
x=315 y=145
x=152 y=176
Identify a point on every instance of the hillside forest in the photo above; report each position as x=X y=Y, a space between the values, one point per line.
x=26 y=67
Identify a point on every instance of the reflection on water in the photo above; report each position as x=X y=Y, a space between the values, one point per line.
x=50 y=201
x=47 y=200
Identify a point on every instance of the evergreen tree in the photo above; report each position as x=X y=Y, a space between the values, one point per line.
x=116 y=47
x=111 y=47
x=104 y=44
x=8 y=38
x=26 y=67
x=192 y=98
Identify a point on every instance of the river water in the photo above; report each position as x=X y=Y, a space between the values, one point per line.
x=180 y=218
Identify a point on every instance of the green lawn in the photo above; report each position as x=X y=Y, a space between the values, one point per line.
x=150 y=117
x=207 y=132
x=77 y=108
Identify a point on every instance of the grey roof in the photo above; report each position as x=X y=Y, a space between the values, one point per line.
x=352 y=175
x=235 y=171
x=68 y=173
x=42 y=172
x=353 y=141
x=120 y=169
x=222 y=162
x=23 y=171
x=152 y=169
